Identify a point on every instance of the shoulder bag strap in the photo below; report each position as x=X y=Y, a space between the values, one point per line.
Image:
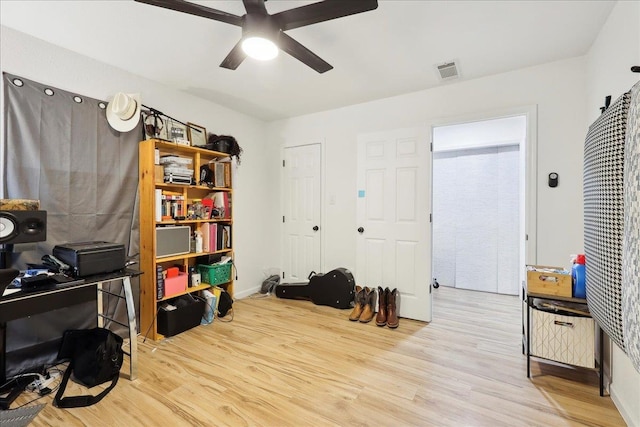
x=79 y=401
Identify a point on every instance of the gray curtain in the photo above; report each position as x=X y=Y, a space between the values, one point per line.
x=85 y=174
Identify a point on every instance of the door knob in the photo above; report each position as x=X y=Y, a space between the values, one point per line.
x=315 y=228
x=360 y=230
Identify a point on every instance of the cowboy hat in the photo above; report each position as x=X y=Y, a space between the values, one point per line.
x=123 y=112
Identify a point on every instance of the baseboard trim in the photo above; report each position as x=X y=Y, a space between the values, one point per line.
x=620 y=405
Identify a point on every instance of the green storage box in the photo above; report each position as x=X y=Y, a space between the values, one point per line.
x=215 y=274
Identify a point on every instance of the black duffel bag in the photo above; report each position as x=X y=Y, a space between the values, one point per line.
x=96 y=357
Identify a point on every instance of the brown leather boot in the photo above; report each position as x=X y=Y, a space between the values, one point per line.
x=360 y=301
x=392 y=316
x=370 y=306
x=381 y=318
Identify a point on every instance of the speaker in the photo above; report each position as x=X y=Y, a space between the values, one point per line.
x=23 y=226
x=174 y=240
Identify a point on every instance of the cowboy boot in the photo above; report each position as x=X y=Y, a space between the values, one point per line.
x=381 y=318
x=359 y=300
x=392 y=315
x=369 y=307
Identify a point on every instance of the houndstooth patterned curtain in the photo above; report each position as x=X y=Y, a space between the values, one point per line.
x=631 y=240
x=604 y=215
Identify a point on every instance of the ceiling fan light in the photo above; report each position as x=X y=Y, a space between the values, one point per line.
x=259 y=48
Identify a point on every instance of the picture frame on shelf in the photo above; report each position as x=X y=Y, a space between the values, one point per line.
x=155 y=127
x=177 y=132
x=197 y=139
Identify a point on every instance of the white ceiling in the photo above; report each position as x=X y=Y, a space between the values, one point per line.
x=386 y=52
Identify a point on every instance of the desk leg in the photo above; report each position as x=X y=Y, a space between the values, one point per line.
x=131 y=322
x=601 y=333
x=3 y=344
x=528 y=341
x=133 y=333
x=100 y=306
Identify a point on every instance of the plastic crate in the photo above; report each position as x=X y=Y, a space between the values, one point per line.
x=215 y=274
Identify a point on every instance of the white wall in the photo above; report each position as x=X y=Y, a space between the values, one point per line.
x=556 y=88
x=616 y=49
x=37 y=60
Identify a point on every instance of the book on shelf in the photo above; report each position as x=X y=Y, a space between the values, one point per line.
x=226 y=237
x=205 y=230
x=220 y=238
x=213 y=236
x=159 y=282
x=172 y=205
x=158 y=204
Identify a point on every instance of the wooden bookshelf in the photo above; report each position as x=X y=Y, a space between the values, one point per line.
x=148 y=184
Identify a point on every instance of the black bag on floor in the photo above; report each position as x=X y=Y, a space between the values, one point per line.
x=95 y=357
x=225 y=304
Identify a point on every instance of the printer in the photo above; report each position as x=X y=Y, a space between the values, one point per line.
x=91 y=258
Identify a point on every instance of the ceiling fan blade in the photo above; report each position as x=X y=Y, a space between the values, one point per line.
x=197 y=10
x=322 y=11
x=302 y=54
x=235 y=57
x=255 y=6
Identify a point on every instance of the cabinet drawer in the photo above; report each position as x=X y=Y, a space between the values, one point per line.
x=565 y=339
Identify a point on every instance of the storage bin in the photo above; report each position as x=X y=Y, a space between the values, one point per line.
x=566 y=339
x=175 y=285
x=545 y=280
x=181 y=319
x=215 y=274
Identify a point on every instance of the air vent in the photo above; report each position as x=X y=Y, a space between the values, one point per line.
x=448 y=70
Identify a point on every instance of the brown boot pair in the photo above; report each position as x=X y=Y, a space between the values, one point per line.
x=365 y=305
x=387 y=314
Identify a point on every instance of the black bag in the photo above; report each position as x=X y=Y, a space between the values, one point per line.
x=225 y=304
x=95 y=357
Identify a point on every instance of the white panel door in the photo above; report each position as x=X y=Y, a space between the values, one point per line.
x=302 y=212
x=394 y=234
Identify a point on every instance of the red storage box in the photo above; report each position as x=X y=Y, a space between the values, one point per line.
x=175 y=285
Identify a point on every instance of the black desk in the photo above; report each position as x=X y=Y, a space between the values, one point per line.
x=23 y=304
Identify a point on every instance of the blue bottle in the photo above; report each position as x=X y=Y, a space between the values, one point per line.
x=578 y=277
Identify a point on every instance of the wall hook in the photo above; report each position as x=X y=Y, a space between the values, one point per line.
x=607 y=102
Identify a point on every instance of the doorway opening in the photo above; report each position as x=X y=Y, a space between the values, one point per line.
x=481 y=203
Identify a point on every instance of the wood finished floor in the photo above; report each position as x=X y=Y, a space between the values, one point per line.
x=292 y=363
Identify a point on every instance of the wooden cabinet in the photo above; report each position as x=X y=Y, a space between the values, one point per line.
x=151 y=186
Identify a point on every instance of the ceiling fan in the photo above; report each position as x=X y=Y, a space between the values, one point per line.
x=260 y=27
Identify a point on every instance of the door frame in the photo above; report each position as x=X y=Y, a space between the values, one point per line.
x=283 y=203
x=529 y=163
